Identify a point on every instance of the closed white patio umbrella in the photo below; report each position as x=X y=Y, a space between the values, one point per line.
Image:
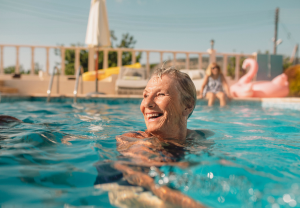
x=97 y=33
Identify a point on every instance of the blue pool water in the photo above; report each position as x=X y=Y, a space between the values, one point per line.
x=50 y=160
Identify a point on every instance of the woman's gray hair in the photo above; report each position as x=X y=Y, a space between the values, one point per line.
x=187 y=88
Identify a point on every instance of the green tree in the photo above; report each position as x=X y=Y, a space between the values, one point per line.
x=293 y=74
x=294 y=86
x=127 y=41
x=12 y=69
x=231 y=67
x=9 y=70
x=286 y=63
x=70 y=59
x=37 y=68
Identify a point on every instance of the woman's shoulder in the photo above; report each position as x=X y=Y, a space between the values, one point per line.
x=132 y=136
x=136 y=134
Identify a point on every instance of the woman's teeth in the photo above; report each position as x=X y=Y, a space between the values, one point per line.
x=152 y=115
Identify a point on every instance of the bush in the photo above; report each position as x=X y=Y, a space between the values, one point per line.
x=293 y=74
x=127 y=41
x=231 y=67
x=12 y=69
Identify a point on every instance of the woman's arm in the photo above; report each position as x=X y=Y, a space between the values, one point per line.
x=225 y=85
x=205 y=80
x=166 y=194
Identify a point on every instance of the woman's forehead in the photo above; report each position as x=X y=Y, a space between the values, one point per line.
x=163 y=83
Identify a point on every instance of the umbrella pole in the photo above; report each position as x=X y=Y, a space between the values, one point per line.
x=96 y=57
x=96 y=70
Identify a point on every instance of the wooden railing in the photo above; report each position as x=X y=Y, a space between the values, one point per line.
x=119 y=51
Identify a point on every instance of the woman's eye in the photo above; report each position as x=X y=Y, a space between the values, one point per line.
x=161 y=94
x=145 y=96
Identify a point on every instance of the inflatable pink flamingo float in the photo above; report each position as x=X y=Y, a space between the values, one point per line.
x=278 y=87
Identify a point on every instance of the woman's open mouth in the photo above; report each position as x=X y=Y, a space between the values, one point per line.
x=153 y=116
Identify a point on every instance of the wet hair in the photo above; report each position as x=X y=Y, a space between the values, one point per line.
x=186 y=88
x=208 y=69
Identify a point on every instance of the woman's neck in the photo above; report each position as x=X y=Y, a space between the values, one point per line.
x=215 y=76
x=177 y=134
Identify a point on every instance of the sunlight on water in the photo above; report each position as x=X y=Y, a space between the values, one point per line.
x=60 y=150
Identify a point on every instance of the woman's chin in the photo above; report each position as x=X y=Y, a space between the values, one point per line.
x=153 y=129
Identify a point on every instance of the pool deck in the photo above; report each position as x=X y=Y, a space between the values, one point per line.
x=286 y=99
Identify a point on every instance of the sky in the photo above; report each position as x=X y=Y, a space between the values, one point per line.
x=235 y=25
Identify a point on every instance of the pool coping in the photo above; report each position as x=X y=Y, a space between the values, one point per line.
x=282 y=103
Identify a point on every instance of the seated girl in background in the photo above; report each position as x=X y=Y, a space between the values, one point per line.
x=213 y=84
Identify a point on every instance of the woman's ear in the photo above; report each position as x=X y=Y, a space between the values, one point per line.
x=187 y=110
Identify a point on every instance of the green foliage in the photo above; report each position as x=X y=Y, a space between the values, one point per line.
x=293 y=74
x=294 y=86
x=37 y=68
x=70 y=59
x=12 y=69
x=9 y=70
x=127 y=41
x=25 y=72
x=286 y=63
x=231 y=67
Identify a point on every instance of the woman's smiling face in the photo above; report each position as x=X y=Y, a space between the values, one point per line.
x=161 y=106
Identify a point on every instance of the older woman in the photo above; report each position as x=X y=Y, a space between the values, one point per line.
x=169 y=100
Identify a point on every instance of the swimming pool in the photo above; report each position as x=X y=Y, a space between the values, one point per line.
x=251 y=160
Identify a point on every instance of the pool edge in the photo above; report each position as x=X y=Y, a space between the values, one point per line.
x=292 y=103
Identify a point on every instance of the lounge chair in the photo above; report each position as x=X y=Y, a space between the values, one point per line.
x=131 y=81
x=197 y=76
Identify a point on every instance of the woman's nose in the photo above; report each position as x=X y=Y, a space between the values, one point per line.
x=149 y=102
